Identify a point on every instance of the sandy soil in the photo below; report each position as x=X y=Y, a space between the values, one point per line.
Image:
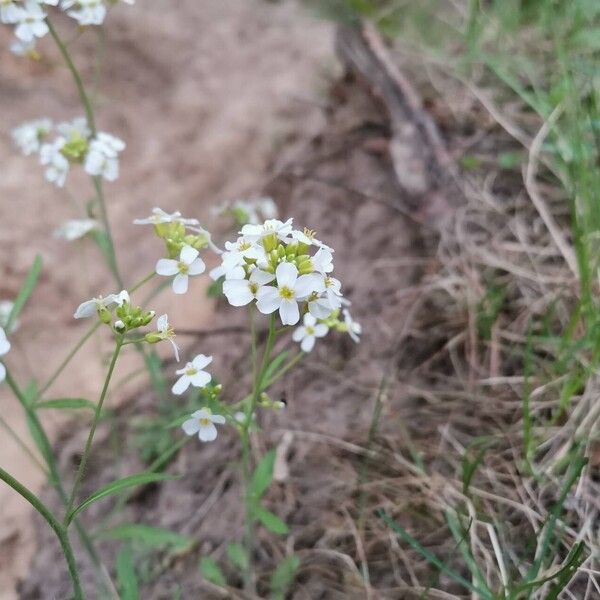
x=204 y=95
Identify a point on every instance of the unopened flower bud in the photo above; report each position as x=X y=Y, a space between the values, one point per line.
x=119 y=326
x=154 y=337
x=104 y=315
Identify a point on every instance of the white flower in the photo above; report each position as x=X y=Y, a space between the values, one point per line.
x=240 y=292
x=19 y=48
x=308 y=333
x=322 y=261
x=4 y=348
x=255 y=233
x=9 y=12
x=320 y=307
x=167 y=333
x=290 y=288
x=202 y=422
x=308 y=237
x=102 y=157
x=91 y=307
x=329 y=290
x=192 y=374
x=28 y=136
x=159 y=216
x=6 y=308
x=354 y=328
x=89 y=12
x=235 y=256
x=189 y=263
x=77 y=128
x=75 y=229
x=30 y=22
x=57 y=164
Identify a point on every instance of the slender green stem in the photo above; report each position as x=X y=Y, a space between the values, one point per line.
x=69 y=357
x=141 y=282
x=59 y=530
x=279 y=374
x=90 y=439
x=39 y=434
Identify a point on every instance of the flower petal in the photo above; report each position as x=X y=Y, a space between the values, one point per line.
x=220 y=419
x=261 y=277
x=237 y=292
x=191 y=426
x=207 y=433
x=196 y=267
x=268 y=300
x=299 y=334
x=307 y=284
x=200 y=379
x=182 y=384
x=167 y=266
x=321 y=330
x=180 y=284
x=308 y=343
x=2 y=372
x=162 y=323
x=188 y=255
x=286 y=274
x=201 y=360
x=289 y=313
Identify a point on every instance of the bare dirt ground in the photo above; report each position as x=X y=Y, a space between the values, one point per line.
x=205 y=95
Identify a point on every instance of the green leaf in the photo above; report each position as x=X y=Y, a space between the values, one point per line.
x=262 y=477
x=212 y=572
x=237 y=555
x=215 y=289
x=128 y=583
x=67 y=403
x=272 y=369
x=283 y=576
x=26 y=290
x=117 y=486
x=272 y=522
x=146 y=534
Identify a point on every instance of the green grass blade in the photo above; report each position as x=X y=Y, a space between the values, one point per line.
x=26 y=291
x=146 y=534
x=128 y=582
x=118 y=486
x=432 y=558
x=66 y=404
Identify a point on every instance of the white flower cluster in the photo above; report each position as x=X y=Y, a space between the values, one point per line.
x=29 y=18
x=271 y=264
x=73 y=143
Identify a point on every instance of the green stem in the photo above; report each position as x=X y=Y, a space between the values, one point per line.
x=59 y=530
x=46 y=449
x=69 y=357
x=279 y=374
x=90 y=439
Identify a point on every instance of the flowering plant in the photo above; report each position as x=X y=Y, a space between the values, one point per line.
x=271 y=269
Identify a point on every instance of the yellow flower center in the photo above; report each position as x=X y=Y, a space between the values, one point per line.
x=309 y=233
x=328 y=282
x=204 y=421
x=310 y=330
x=245 y=246
x=286 y=293
x=191 y=371
x=253 y=288
x=183 y=268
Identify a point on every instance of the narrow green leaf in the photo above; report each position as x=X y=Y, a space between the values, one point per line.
x=429 y=556
x=272 y=522
x=237 y=555
x=66 y=403
x=283 y=576
x=262 y=476
x=569 y=570
x=212 y=572
x=128 y=583
x=26 y=290
x=273 y=368
x=146 y=534
x=117 y=486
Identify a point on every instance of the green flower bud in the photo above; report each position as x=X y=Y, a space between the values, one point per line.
x=270 y=242
x=153 y=337
x=120 y=327
x=104 y=315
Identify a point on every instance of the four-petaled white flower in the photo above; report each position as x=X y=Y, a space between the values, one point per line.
x=30 y=22
x=322 y=261
x=28 y=136
x=167 y=333
x=354 y=328
x=189 y=263
x=57 y=165
x=76 y=128
x=89 y=12
x=308 y=333
x=240 y=292
x=102 y=157
x=91 y=307
x=235 y=255
x=4 y=348
x=75 y=228
x=192 y=374
x=290 y=288
x=254 y=233
x=159 y=216
x=308 y=237
x=202 y=422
